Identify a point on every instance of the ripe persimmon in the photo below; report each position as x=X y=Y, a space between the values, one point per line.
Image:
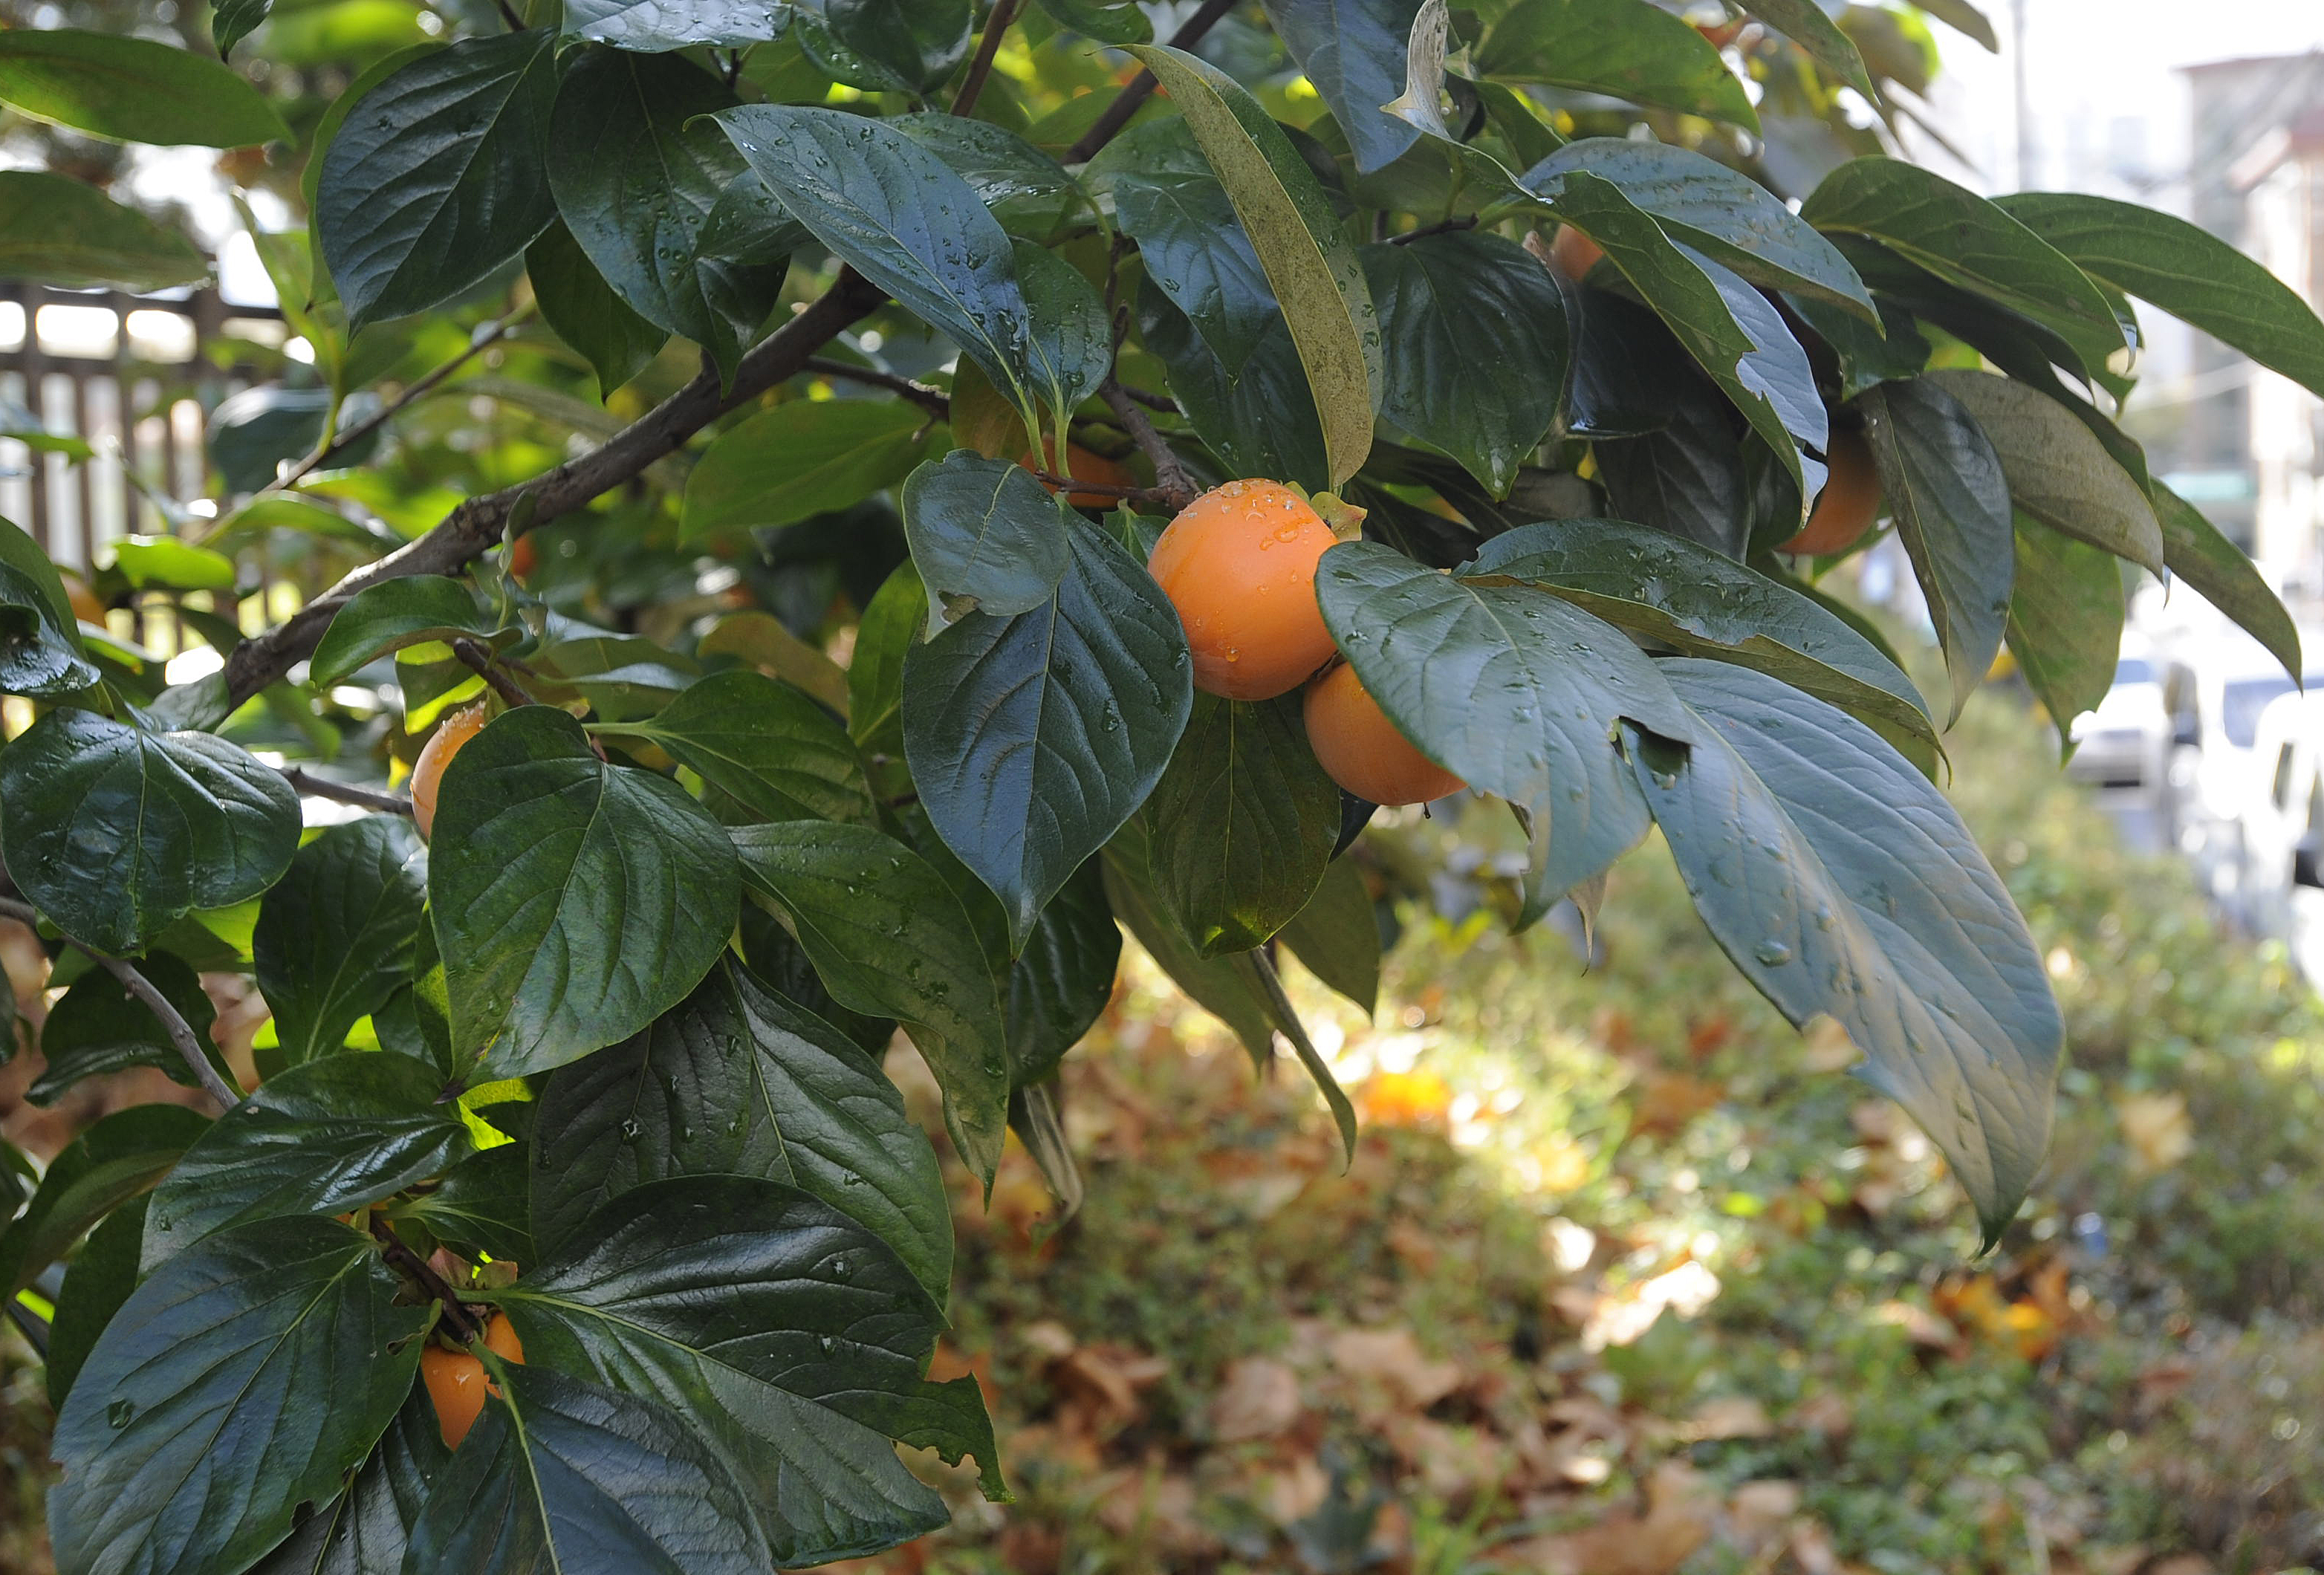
x=1083 y=464
x=1844 y=509
x=1573 y=254
x=427 y=773
x=1365 y=753
x=523 y=556
x=1238 y=564
x=456 y=1382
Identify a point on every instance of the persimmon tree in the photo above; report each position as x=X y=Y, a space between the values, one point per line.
x=750 y=424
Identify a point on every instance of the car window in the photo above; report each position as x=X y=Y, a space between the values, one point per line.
x=2242 y=701
x=2132 y=671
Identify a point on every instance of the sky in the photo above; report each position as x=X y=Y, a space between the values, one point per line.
x=2103 y=75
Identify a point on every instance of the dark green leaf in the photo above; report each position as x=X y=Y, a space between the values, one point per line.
x=903 y=46
x=1337 y=936
x=2057 y=471
x=1060 y=983
x=103 y=1274
x=1216 y=984
x=367 y=1530
x=1033 y=738
x=1069 y=350
x=1728 y=327
x=1113 y=21
x=985 y=536
x=455 y=142
x=412 y=610
x=637 y=172
x=907 y=223
x=1251 y=406
x=1312 y=270
x=558 y=1474
x=765 y=744
x=739 y=1081
x=1866 y=359
x=232 y=21
x=1353 y=52
x=239 y=1381
x=1441 y=299
x=99 y=1028
x=1716 y=210
x=481 y=1206
x=322 y=1137
x=1706 y=605
x=1625 y=48
x=888 y=938
x=2186 y=270
x=1968 y=241
x=132 y=90
x=1963 y=17
x=1942 y=484
x=1243 y=823
x=59 y=231
x=116 y=1159
x=40 y=647
x=577 y=303
x=114 y=832
x=574 y=901
x=799 y=460
x=2065 y=620
x=334 y=936
x=1025 y=189
x=1514 y=691
x=890 y=626
x=676 y=24
x=1841 y=881
x=20 y=552
x=819 y=1333
x=2195 y=551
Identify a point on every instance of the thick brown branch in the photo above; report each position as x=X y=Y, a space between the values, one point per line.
x=182 y=1038
x=317 y=786
x=1004 y=12
x=463 y=1323
x=474 y=527
x=1075 y=487
x=1141 y=87
x=479 y=660
x=1176 y=483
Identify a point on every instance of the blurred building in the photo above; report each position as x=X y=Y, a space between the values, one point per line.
x=2249 y=448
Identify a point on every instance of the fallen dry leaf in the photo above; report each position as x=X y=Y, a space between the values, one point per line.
x=1759 y=1512
x=1729 y=1416
x=1394 y=1358
x=2157 y=1127
x=1256 y=1398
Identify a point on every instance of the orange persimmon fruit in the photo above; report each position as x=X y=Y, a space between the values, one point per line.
x=1238 y=564
x=1083 y=464
x=428 y=772
x=456 y=1382
x=1573 y=254
x=1365 y=753
x=1850 y=498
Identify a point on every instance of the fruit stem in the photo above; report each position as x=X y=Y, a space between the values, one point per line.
x=1346 y=520
x=463 y=1323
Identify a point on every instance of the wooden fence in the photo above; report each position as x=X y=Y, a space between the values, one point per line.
x=134 y=377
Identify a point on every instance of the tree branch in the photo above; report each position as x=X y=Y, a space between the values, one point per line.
x=1149 y=398
x=1141 y=87
x=1003 y=13
x=1176 y=483
x=479 y=660
x=181 y=1033
x=474 y=527
x=931 y=399
x=485 y=336
x=316 y=787
x=1160 y=497
x=463 y=1322
x=1465 y=222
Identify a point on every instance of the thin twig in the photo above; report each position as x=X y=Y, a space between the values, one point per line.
x=1465 y=222
x=181 y=1033
x=1004 y=12
x=474 y=654
x=1149 y=398
x=314 y=787
x=931 y=399
x=1160 y=497
x=485 y=336
x=456 y=1312
x=1177 y=485
x=1141 y=87
x=509 y=16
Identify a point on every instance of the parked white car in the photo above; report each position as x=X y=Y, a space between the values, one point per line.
x=2230 y=681
x=2123 y=748
x=2281 y=891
